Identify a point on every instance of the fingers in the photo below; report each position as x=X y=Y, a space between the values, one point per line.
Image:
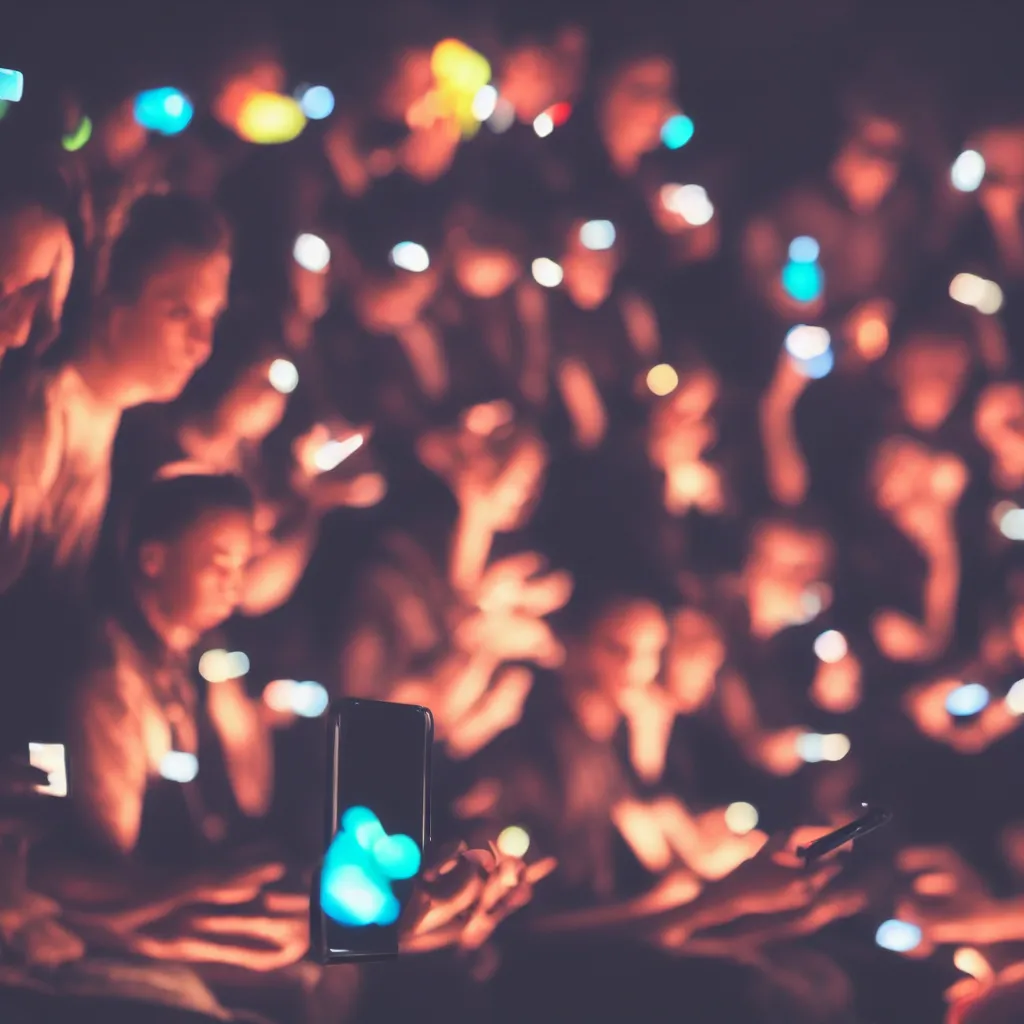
x=286 y=902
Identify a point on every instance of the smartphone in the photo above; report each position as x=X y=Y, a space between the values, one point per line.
x=52 y=759
x=377 y=827
x=873 y=818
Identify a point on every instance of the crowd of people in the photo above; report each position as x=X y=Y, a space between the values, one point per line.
x=689 y=509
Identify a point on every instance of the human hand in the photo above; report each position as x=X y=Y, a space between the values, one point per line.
x=779 y=753
x=461 y=900
x=999 y=425
x=498 y=710
x=925 y=704
x=18 y=778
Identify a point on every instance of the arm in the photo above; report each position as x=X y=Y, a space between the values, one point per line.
x=275 y=573
x=248 y=746
x=785 y=466
x=583 y=401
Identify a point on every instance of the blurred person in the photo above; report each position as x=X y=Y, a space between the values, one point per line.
x=539 y=69
x=437 y=618
x=37 y=260
x=150 y=332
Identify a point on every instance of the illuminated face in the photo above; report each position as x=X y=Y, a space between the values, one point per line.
x=161 y=338
x=680 y=428
x=785 y=570
x=638 y=102
x=389 y=304
x=588 y=276
x=530 y=81
x=119 y=136
x=253 y=407
x=626 y=646
x=869 y=163
x=485 y=273
x=198 y=577
x=930 y=378
x=696 y=652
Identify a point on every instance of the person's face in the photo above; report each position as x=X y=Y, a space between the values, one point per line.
x=868 y=165
x=198 y=577
x=588 y=276
x=1003 y=187
x=638 y=103
x=930 y=378
x=530 y=81
x=625 y=648
x=258 y=71
x=680 y=429
x=119 y=137
x=389 y=304
x=785 y=564
x=696 y=652
x=162 y=337
x=428 y=151
x=253 y=407
x=485 y=273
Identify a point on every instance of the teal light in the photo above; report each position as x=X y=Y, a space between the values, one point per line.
x=803 y=282
x=12 y=85
x=166 y=111
x=361 y=863
x=677 y=131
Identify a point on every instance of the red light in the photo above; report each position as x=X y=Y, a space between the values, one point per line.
x=559 y=113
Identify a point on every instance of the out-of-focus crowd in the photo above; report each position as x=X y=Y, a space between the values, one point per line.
x=474 y=377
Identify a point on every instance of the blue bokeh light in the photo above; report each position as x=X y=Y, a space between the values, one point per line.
x=166 y=111
x=967 y=700
x=317 y=102
x=803 y=282
x=677 y=131
x=898 y=936
x=804 y=249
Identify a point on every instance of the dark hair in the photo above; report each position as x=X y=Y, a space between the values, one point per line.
x=167 y=508
x=157 y=225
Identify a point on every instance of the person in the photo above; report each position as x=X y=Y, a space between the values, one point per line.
x=151 y=330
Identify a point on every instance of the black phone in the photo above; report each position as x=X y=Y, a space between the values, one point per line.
x=873 y=818
x=377 y=827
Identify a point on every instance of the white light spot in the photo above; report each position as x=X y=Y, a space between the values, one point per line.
x=317 y=102
x=410 y=256
x=804 y=342
x=333 y=453
x=1011 y=525
x=179 y=766
x=543 y=125
x=834 y=747
x=691 y=202
x=514 y=841
x=219 y=666
x=312 y=253
x=503 y=118
x=968 y=171
x=809 y=747
x=547 y=272
x=279 y=695
x=1015 y=698
x=597 y=235
x=283 y=376
x=309 y=699
x=991 y=300
x=804 y=249
x=831 y=646
x=485 y=102
x=898 y=936
x=741 y=818
x=971 y=290
x=967 y=700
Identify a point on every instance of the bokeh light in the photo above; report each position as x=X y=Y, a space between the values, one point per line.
x=513 y=841
x=814 y=747
x=898 y=936
x=677 y=131
x=741 y=818
x=662 y=379
x=503 y=118
x=970 y=290
x=967 y=700
x=972 y=961
x=74 y=141
x=546 y=273
x=4 y=106
x=283 y=376
x=1011 y=524
x=179 y=766
x=872 y=338
x=806 y=342
x=333 y=453
x=1015 y=698
x=831 y=646
x=309 y=699
x=166 y=111
x=269 y=119
x=316 y=102
x=691 y=202
x=968 y=171
x=597 y=235
x=12 y=85
x=803 y=282
x=804 y=249
x=279 y=695
x=218 y=666
x=410 y=256
x=312 y=253
x=485 y=102
x=543 y=125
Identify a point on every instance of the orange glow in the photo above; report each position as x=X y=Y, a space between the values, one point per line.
x=872 y=338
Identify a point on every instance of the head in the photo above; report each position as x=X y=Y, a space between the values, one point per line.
x=190 y=541
x=36 y=262
x=638 y=98
x=905 y=476
x=588 y=274
x=166 y=289
x=929 y=373
x=997 y=1003
x=386 y=302
x=251 y=69
x=624 y=646
x=536 y=74
x=696 y=652
x=786 y=572
x=485 y=251
x=868 y=163
x=680 y=427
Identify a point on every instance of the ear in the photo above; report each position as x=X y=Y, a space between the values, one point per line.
x=152 y=559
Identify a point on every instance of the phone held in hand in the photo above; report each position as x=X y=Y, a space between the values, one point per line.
x=873 y=818
x=377 y=828
x=52 y=759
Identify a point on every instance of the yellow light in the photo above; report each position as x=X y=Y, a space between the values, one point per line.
x=662 y=379
x=741 y=818
x=971 y=962
x=268 y=118
x=461 y=73
x=834 y=747
x=218 y=666
x=514 y=841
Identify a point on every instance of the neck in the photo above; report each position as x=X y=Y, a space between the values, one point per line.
x=177 y=637
x=102 y=374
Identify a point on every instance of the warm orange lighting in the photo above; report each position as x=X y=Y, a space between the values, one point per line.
x=872 y=338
